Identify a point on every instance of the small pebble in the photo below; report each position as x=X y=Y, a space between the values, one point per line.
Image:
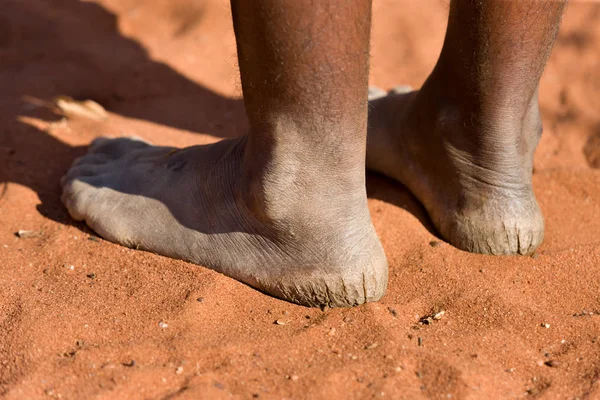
x=546 y=325
x=439 y=315
x=200 y=299
x=91 y=276
x=420 y=341
x=179 y=370
x=435 y=243
x=331 y=332
x=552 y=363
x=24 y=234
x=280 y=322
x=372 y=346
x=163 y=324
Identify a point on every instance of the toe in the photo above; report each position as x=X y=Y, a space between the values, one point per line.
x=82 y=170
x=75 y=196
x=116 y=148
x=93 y=159
x=401 y=89
x=376 y=92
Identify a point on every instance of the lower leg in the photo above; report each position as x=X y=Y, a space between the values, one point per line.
x=304 y=70
x=283 y=208
x=464 y=143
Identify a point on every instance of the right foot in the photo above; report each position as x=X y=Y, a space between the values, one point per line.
x=471 y=172
x=297 y=231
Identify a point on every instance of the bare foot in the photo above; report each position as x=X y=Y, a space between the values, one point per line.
x=471 y=172
x=312 y=245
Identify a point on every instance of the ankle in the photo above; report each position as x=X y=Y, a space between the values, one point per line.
x=288 y=176
x=477 y=112
x=494 y=140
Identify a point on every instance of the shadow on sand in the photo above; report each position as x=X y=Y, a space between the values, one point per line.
x=71 y=47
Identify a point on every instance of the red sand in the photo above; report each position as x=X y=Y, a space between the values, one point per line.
x=166 y=71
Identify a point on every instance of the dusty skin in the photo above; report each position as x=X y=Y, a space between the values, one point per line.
x=129 y=324
x=476 y=208
x=284 y=208
x=188 y=204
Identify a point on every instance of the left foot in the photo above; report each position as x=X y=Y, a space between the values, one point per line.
x=472 y=172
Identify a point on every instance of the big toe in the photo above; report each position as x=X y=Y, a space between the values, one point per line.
x=77 y=194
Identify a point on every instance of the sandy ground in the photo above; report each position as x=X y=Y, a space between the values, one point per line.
x=84 y=318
